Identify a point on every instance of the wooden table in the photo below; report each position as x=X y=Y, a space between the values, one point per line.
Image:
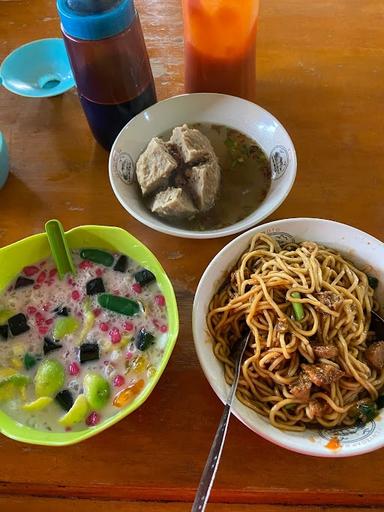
x=320 y=71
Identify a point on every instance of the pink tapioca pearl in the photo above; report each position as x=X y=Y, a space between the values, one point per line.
x=43 y=329
x=115 y=335
x=93 y=419
x=36 y=286
x=49 y=321
x=96 y=312
x=41 y=277
x=31 y=310
x=163 y=328
x=46 y=307
x=30 y=270
x=70 y=281
x=75 y=295
x=74 y=368
x=52 y=272
x=128 y=356
x=156 y=323
x=39 y=318
x=104 y=327
x=136 y=287
x=86 y=264
x=99 y=272
x=160 y=300
x=118 y=381
x=50 y=282
x=128 y=326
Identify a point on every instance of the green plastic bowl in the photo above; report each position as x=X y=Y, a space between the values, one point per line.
x=34 y=248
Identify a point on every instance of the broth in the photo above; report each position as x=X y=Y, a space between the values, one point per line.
x=245 y=179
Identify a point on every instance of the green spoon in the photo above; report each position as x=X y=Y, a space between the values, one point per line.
x=59 y=248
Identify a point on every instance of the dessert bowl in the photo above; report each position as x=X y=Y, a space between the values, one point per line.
x=15 y=257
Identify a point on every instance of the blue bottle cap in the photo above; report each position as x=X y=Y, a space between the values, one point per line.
x=92 y=25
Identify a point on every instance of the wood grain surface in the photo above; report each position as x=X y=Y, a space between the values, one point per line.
x=320 y=71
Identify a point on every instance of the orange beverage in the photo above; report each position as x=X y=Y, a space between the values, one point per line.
x=220 y=46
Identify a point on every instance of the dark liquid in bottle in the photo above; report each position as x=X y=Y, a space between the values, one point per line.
x=106 y=121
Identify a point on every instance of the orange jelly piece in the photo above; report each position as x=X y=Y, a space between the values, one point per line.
x=126 y=395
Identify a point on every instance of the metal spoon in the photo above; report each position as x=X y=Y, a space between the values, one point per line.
x=210 y=469
x=377 y=324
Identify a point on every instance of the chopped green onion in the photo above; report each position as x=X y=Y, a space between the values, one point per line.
x=364 y=411
x=373 y=281
x=297 y=306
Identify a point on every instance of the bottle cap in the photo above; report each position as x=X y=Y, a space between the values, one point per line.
x=87 y=25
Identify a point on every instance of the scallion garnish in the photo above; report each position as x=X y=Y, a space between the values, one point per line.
x=298 y=309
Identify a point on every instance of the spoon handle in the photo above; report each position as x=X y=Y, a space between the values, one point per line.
x=210 y=469
x=59 y=248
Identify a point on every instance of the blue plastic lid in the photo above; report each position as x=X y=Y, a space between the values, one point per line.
x=90 y=20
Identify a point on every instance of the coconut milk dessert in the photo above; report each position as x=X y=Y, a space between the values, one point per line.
x=75 y=351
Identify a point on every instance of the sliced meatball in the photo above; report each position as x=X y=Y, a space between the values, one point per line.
x=173 y=202
x=204 y=182
x=375 y=355
x=323 y=374
x=330 y=299
x=193 y=145
x=325 y=351
x=302 y=388
x=154 y=166
x=315 y=409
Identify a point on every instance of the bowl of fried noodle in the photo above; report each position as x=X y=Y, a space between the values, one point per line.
x=308 y=290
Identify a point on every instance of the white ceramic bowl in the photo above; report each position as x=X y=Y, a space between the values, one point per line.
x=233 y=112
x=364 y=250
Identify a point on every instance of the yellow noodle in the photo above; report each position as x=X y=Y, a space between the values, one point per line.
x=258 y=294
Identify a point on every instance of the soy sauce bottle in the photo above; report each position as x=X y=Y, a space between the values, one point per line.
x=109 y=60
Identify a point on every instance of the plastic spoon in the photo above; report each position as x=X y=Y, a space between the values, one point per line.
x=59 y=248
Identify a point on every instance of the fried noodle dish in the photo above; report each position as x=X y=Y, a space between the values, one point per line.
x=312 y=360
